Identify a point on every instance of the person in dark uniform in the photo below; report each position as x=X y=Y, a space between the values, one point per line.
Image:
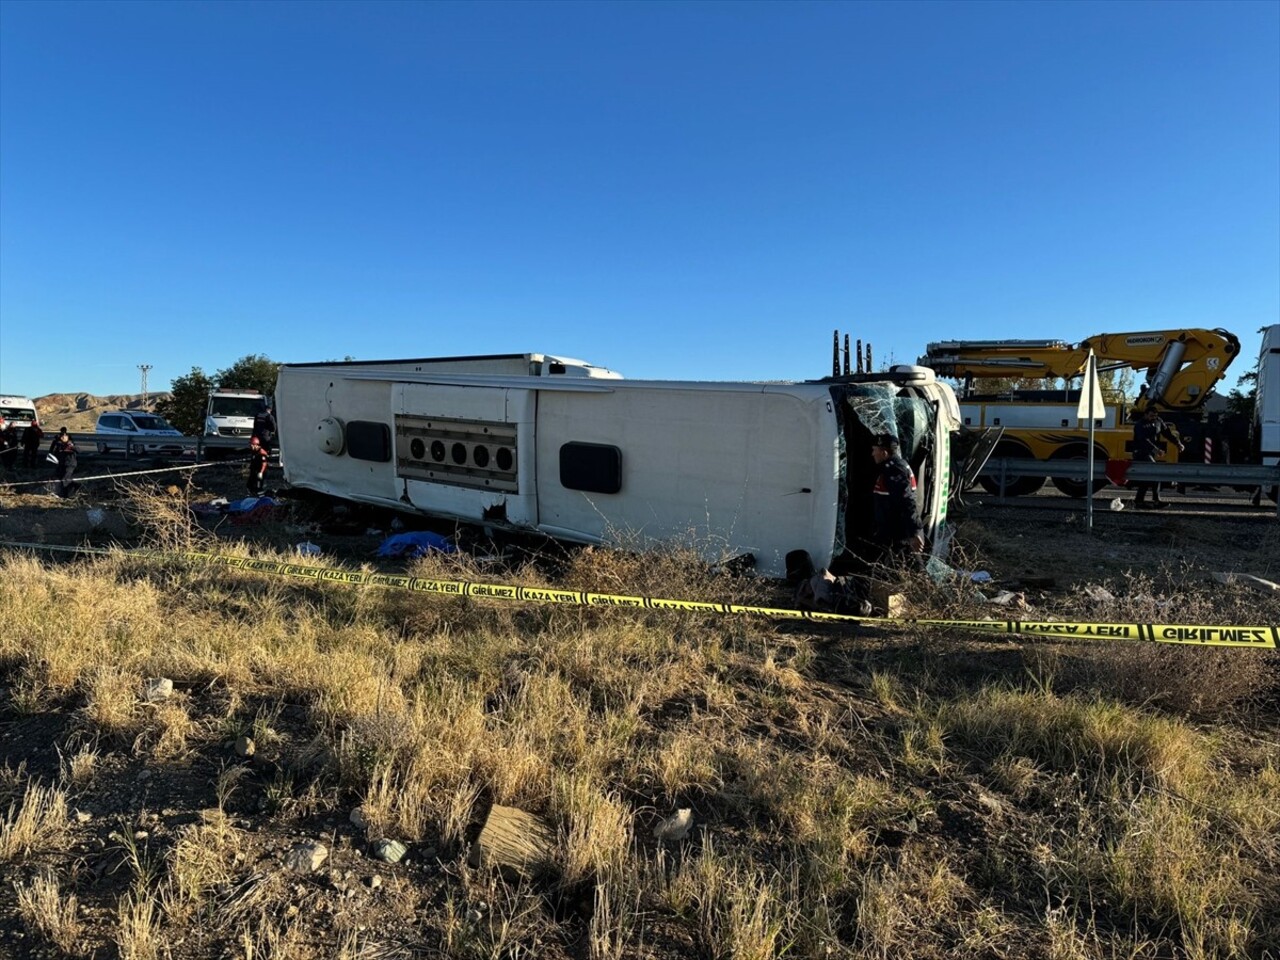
x=264 y=428
x=31 y=438
x=1149 y=434
x=63 y=449
x=896 y=521
x=258 y=457
x=8 y=443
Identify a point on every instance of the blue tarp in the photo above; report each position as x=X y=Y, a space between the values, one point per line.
x=415 y=544
x=250 y=503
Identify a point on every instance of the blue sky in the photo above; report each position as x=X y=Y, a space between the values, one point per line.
x=674 y=190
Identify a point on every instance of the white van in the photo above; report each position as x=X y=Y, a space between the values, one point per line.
x=230 y=413
x=137 y=431
x=19 y=411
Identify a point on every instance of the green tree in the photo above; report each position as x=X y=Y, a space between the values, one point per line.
x=189 y=395
x=185 y=405
x=1117 y=385
x=1242 y=399
x=254 y=372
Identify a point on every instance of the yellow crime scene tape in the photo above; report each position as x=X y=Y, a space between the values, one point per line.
x=1251 y=637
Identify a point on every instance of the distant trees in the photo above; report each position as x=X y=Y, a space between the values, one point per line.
x=185 y=405
x=189 y=394
x=254 y=372
x=1242 y=399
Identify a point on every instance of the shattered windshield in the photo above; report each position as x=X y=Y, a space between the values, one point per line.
x=867 y=409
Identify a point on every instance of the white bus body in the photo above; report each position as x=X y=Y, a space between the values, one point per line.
x=541 y=444
x=1266 y=422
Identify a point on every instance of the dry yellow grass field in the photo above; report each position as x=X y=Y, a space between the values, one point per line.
x=873 y=793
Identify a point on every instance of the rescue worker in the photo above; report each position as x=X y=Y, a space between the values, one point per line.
x=264 y=427
x=31 y=438
x=258 y=457
x=63 y=449
x=896 y=526
x=1148 y=435
x=8 y=443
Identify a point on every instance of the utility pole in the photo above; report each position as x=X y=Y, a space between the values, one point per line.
x=144 y=367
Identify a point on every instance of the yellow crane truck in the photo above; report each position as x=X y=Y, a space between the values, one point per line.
x=1182 y=367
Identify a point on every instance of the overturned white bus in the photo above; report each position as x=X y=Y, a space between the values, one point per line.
x=549 y=445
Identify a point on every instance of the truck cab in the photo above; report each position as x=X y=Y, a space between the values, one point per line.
x=230 y=413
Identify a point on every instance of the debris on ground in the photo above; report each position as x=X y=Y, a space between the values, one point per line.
x=157 y=688
x=306 y=857
x=415 y=544
x=675 y=827
x=516 y=843
x=1008 y=598
x=1246 y=580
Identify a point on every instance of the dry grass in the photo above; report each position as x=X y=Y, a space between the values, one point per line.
x=44 y=909
x=164 y=515
x=902 y=796
x=33 y=824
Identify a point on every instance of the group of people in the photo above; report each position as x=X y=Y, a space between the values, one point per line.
x=11 y=442
x=62 y=451
x=65 y=456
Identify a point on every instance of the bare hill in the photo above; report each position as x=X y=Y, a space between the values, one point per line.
x=78 y=412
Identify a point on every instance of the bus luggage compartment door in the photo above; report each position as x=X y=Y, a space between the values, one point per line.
x=467 y=451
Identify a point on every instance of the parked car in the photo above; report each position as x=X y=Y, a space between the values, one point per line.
x=139 y=432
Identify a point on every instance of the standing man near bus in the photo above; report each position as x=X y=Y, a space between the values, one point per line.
x=264 y=427
x=1148 y=447
x=63 y=449
x=8 y=443
x=31 y=438
x=258 y=457
x=896 y=522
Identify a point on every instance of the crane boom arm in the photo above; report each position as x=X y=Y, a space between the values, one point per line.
x=1182 y=366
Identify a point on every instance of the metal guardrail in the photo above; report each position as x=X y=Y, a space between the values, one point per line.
x=1246 y=475
x=194 y=448
x=1223 y=474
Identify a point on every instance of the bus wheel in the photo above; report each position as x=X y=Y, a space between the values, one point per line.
x=1014 y=486
x=1078 y=451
